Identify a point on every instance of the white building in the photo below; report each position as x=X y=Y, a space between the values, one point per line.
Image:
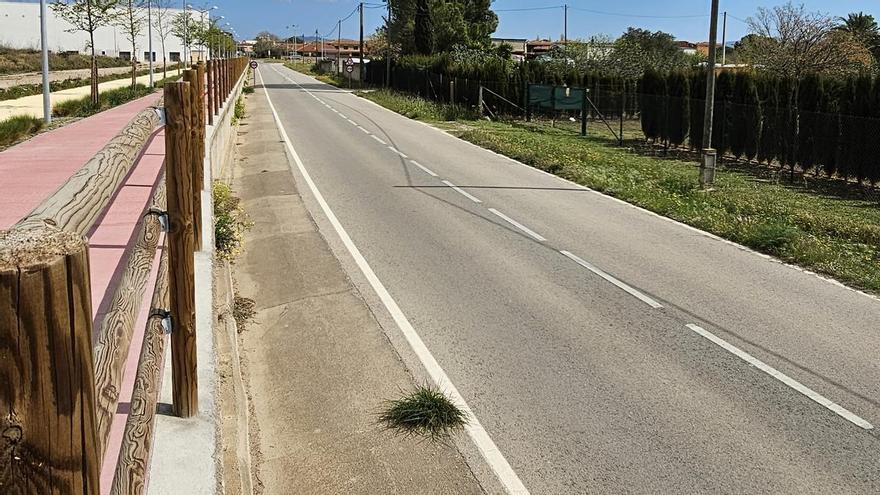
x=20 y=28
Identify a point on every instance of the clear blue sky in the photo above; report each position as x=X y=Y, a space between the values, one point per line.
x=252 y=16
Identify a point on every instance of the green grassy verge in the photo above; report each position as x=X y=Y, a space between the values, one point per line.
x=16 y=128
x=83 y=107
x=17 y=61
x=35 y=89
x=834 y=235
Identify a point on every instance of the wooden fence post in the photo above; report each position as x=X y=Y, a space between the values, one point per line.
x=209 y=82
x=196 y=158
x=179 y=176
x=48 y=435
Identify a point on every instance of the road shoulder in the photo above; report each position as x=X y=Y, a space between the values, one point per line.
x=317 y=363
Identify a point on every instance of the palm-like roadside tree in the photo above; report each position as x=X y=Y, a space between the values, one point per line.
x=864 y=28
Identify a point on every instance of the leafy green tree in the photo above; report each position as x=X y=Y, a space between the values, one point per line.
x=638 y=50
x=864 y=138
x=455 y=23
x=678 y=107
x=809 y=99
x=652 y=95
x=829 y=146
x=423 y=32
x=850 y=129
x=185 y=28
x=745 y=117
x=88 y=16
x=787 y=123
x=697 y=108
x=721 y=125
x=768 y=144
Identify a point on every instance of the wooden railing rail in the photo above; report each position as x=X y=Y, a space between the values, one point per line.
x=58 y=391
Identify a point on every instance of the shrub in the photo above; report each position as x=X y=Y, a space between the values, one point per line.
x=15 y=128
x=238 y=113
x=230 y=222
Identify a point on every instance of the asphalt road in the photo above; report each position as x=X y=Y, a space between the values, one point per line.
x=603 y=348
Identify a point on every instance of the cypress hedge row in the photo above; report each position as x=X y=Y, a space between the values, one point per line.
x=815 y=124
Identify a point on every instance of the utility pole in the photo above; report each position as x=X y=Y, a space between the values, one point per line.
x=724 y=41
x=47 y=105
x=338 y=44
x=707 y=164
x=388 y=46
x=316 y=45
x=565 y=25
x=361 y=48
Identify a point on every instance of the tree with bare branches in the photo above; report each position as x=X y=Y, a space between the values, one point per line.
x=790 y=41
x=132 y=21
x=88 y=16
x=162 y=24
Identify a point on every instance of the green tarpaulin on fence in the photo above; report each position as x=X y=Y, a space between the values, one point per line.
x=556 y=97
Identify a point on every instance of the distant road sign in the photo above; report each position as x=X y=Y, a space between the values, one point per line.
x=253 y=64
x=349 y=62
x=349 y=68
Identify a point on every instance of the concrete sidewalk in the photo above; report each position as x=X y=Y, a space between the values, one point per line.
x=33 y=105
x=317 y=364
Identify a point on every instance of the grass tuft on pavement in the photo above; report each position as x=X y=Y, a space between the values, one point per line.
x=16 y=128
x=836 y=235
x=426 y=412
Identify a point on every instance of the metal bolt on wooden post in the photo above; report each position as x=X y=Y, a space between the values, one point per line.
x=48 y=433
x=181 y=243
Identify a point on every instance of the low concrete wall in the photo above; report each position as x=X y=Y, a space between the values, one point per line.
x=220 y=137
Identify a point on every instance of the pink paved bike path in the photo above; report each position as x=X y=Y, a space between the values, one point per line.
x=34 y=169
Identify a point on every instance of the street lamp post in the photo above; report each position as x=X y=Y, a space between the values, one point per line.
x=44 y=47
x=150 y=38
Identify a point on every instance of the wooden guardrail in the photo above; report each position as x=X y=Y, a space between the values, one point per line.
x=59 y=391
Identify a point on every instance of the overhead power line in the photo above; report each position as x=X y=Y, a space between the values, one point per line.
x=640 y=16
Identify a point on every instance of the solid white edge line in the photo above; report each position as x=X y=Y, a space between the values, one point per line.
x=377 y=138
x=484 y=443
x=782 y=377
x=343 y=116
x=535 y=235
x=424 y=169
x=462 y=192
x=352 y=122
x=633 y=292
x=363 y=129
